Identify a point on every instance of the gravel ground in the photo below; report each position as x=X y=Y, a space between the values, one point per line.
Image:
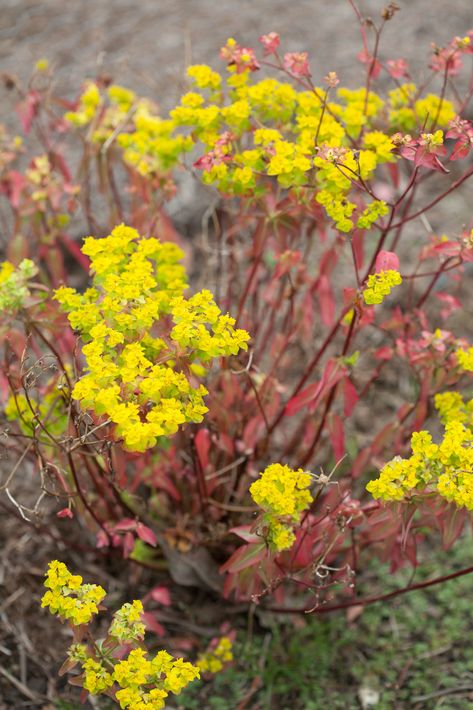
x=145 y=44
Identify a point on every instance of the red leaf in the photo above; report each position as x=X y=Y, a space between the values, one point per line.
x=65 y=513
x=202 y=446
x=245 y=556
x=303 y=398
x=152 y=623
x=460 y=151
x=16 y=183
x=27 y=110
x=387 y=261
x=351 y=397
x=326 y=300
x=146 y=534
x=337 y=437
x=125 y=524
x=312 y=394
x=161 y=595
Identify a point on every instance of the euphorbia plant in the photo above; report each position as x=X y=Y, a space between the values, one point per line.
x=167 y=419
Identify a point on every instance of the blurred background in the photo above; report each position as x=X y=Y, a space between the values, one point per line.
x=145 y=44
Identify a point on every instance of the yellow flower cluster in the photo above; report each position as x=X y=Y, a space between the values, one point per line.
x=68 y=597
x=446 y=467
x=377 y=208
x=451 y=407
x=137 y=672
x=14 y=285
x=88 y=104
x=127 y=624
x=151 y=147
x=465 y=358
x=253 y=129
x=144 y=342
x=149 y=142
x=213 y=660
x=406 y=113
x=298 y=136
x=143 y=683
x=283 y=494
x=379 y=285
x=97 y=678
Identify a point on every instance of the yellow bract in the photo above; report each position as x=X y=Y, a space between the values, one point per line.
x=445 y=467
x=282 y=493
x=68 y=597
x=380 y=285
x=143 y=338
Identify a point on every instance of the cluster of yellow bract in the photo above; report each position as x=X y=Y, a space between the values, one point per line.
x=252 y=129
x=150 y=144
x=137 y=682
x=465 y=358
x=68 y=597
x=143 y=683
x=213 y=660
x=282 y=493
x=446 y=467
x=137 y=673
x=379 y=285
x=14 y=284
x=249 y=129
x=127 y=624
x=145 y=342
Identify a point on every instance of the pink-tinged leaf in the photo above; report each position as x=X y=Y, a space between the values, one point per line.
x=393 y=170
x=152 y=624
x=244 y=532
x=27 y=110
x=302 y=399
x=387 y=261
x=102 y=539
x=202 y=446
x=125 y=524
x=398 y=68
x=326 y=300
x=358 y=243
x=65 y=513
x=461 y=149
x=245 y=556
x=16 y=183
x=337 y=436
x=146 y=534
x=373 y=66
x=161 y=595
x=350 y=396
x=128 y=544
x=311 y=395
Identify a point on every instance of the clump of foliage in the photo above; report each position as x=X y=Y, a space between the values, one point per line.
x=222 y=432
